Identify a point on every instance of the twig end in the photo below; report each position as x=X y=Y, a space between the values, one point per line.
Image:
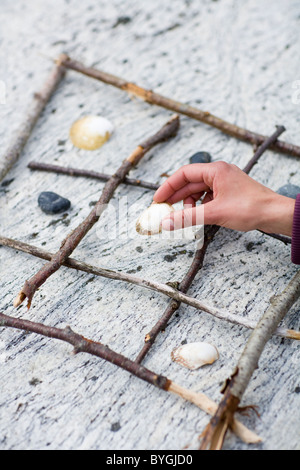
x=19 y=299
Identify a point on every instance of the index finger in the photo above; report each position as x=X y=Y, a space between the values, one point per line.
x=194 y=173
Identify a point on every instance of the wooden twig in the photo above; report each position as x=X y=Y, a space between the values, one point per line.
x=248 y=362
x=281 y=238
x=88 y=174
x=164 y=289
x=181 y=108
x=74 y=238
x=184 y=286
x=263 y=147
x=82 y=344
x=207 y=405
x=209 y=233
x=39 y=102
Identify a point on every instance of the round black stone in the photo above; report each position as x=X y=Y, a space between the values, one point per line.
x=52 y=203
x=289 y=190
x=200 y=157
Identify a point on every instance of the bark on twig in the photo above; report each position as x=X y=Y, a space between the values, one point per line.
x=88 y=174
x=181 y=108
x=39 y=102
x=164 y=289
x=74 y=238
x=281 y=238
x=248 y=362
x=209 y=406
x=82 y=344
x=263 y=147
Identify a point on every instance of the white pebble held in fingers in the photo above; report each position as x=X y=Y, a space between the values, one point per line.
x=90 y=132
x=149 y=222
x=195 y=355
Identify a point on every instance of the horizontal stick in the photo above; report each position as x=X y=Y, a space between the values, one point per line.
x=148 y=284
x=181 y=108
x=82 y=344
x=87 y=174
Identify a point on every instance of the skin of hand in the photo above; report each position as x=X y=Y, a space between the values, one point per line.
x=232 y=199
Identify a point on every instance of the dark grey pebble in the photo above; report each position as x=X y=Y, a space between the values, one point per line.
x=289 y=190
x=7 y=182
x=115 y=427
x=200 y=157
x=52 y=203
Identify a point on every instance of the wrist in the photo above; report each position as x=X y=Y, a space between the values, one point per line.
x=277 y=215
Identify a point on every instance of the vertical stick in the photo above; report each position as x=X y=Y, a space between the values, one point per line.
x=74 y=238
x=248 y=362
x=39 y=102
x=184 y=286
x=262 y=148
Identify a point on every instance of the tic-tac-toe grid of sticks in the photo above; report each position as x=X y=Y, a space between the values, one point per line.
x=223 y=414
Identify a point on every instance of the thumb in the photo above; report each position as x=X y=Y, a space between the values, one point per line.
x=200 y=215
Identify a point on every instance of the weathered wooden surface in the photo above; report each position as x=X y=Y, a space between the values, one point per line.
x=238 y=60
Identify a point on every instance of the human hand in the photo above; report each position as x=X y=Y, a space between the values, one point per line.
x=232 y=199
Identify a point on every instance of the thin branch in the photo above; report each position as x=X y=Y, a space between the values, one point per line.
x=181 y=108
x=88 y=174
x=207 y=405
x=281 y=238
x=263 y=147
x=39 y=102
x=164 y=289
x=248 y=362
x=74 y=238
x=82 y=344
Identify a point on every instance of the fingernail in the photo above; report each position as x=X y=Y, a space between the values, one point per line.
x=167 y=224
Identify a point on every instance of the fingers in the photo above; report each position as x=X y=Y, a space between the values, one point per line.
x=191 y=200
x=200 y=215
x=189 y=179
x=189 y=190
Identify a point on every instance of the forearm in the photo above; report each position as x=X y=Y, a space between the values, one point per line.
x=233 y=200
x=277 y=215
